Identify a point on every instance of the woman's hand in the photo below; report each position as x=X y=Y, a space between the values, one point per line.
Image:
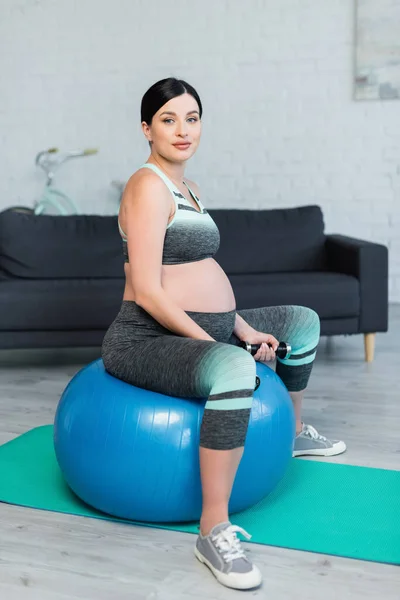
x=269 y=344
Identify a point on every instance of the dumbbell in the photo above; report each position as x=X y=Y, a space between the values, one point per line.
x=282 y=351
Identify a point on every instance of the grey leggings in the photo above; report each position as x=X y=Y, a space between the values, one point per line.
x=138 y=350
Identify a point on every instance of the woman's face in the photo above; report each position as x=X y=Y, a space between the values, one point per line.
x=175 y=129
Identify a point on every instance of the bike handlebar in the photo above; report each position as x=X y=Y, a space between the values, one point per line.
x=90 y=151
x=49 y=162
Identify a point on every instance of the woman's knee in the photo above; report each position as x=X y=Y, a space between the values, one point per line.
x=314 y=325
x=313 y=317
x=227 y=411
x=307 y=326
x=304 y=342
x=307 y=315
x=230 y=368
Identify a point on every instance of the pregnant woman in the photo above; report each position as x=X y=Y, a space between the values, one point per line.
x=178 y=330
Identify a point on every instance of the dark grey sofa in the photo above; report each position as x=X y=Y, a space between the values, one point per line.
x=62 y=280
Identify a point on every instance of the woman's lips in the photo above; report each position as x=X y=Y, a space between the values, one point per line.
x=182 y=146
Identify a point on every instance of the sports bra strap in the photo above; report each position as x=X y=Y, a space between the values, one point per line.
x=165 y=179
x=123 y=235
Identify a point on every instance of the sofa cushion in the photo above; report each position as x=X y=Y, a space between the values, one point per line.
x=271 y=241
x=47 y=246
x=331 y=295
x=59 y=304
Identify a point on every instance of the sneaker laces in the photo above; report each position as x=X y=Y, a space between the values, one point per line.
x=311 y=432
x=228 y=544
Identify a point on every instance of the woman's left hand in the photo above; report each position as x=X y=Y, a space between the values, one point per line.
x=269 y=344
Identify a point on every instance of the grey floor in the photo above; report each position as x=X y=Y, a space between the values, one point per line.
x=51 y=556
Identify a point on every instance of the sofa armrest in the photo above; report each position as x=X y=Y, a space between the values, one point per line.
x=368 y=262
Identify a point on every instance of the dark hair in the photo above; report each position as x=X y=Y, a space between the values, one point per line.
x=163 y=91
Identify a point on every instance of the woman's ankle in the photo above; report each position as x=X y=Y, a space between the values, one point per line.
x=207 y=522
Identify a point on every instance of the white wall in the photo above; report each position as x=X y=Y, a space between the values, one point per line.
x=275 y=78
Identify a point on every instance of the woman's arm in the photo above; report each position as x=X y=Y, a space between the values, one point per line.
x=242 y=330
x=146 y=213
x=268 y=344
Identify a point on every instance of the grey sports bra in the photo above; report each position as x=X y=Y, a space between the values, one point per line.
x=191 y=235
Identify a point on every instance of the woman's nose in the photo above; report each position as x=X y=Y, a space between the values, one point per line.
x=182 y=130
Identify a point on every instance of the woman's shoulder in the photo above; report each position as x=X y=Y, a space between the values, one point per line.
x=144 y=181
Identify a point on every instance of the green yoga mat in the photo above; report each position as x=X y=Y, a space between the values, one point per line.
x=320 y=507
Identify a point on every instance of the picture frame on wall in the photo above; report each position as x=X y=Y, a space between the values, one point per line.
x=377 y=51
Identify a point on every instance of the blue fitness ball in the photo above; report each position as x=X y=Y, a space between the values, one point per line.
x=134 y=454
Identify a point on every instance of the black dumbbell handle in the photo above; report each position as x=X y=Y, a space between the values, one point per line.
x=282 y=350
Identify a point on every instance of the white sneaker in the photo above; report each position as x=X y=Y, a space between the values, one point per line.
x=222 y=553
x=310 y=442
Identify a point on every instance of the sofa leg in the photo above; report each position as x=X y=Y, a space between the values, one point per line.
x=369 y=345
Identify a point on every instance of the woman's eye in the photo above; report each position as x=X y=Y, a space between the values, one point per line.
x=192 y=119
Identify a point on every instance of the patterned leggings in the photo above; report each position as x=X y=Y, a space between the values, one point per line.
x=138 y=350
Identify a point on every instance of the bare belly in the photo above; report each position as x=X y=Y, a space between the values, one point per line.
x=200 y=286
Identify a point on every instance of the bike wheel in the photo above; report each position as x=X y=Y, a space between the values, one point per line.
x=55 y=202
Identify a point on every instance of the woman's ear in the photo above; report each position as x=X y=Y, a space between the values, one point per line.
x=147 y=132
